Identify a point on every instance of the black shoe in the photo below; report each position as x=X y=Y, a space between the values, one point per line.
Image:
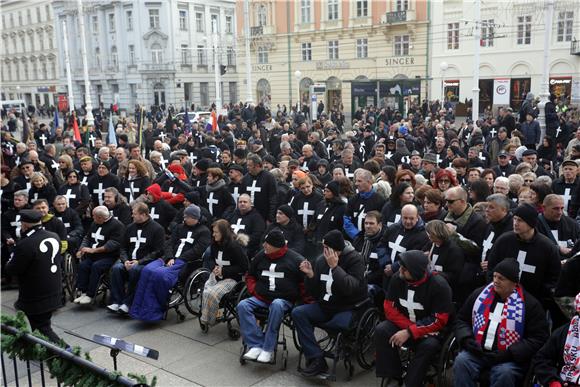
x=316 y=367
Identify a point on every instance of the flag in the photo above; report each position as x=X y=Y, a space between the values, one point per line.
x=187 y=123
x=169 y=123
x=25 y=129
x=53 y=131
x=140 y=124
x=214 y=125
x=112 y=136
x=76 y=131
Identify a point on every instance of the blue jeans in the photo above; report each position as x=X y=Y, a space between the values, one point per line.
x=89 y=273
x=468 y=367
x=251 y=331
x=308 y=316
x=120 y=275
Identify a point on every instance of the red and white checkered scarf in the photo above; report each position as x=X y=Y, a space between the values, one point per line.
x=571 y=370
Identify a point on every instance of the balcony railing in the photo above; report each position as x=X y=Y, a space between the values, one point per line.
x=397 y=17
x=167 y=67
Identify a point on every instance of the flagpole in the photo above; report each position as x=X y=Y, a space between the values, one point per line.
x=67 y=66
x=89 y=103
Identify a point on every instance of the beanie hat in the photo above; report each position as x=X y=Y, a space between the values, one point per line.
x=509 y=268
x=155 y=191
x=334 y=240
x=192 y=211
x=192 y=197
x=287 y=210
x=275 y=238
x=334 y=187
x=202 y=164
x=528 y=214
x=416 y=262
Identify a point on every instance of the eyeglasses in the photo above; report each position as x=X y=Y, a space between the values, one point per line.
x=451 y=201
x=445 y=181
x=405 y=180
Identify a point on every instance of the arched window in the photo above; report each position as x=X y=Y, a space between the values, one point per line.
x=263 y=90
x=262 y=15
x=305 y=84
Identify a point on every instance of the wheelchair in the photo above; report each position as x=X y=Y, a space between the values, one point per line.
x=342 y=345
x=229 y=313
x=188 y=294
x=69 y=276
x=261 y=315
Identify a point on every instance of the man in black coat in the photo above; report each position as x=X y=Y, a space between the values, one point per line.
x=71 y=221
x=500 y=221
x=499 y=328
x=566 y=186
x=562 y=230
x=247 y=220
x=36 y=262
x=261 y=186
x=337 y=282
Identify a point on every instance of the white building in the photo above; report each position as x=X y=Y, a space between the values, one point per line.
x=151 y=53
x=28 y=55
x=511 y=46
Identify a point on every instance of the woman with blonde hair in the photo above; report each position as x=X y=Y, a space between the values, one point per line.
x=65 y=164
x=445 y=255
x=40 y=188
x=135 y=181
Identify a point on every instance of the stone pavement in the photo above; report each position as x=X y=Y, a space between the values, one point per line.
x=187 y=357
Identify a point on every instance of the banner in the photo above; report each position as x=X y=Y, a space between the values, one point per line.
x=501 y=91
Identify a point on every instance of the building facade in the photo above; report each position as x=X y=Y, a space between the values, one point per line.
x=150 y=53
x=28 y=54
x=357 y=52
x=511 y=47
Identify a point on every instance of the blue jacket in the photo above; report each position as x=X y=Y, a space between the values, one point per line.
x=531 y=132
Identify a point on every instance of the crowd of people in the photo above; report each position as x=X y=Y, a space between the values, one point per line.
x=448 y=226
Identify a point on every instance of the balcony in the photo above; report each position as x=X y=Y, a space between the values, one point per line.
x=261 y=30
x=575 y=47
x=398 y=17
x=157 y=67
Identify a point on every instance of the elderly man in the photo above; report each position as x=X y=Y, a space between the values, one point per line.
x=499 y=328
x=562 y=230
x=499 y=218
x=337 y=282
x=504 y=167
x=309 y=158
x=98 y=251
x=274 y=281
x=566 y=186
x=261 y=186
x=367 y=199
x=246 y=220
x=417 y=309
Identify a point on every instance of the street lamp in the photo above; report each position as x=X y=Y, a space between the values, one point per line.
x=443 y=66
x=298 y=75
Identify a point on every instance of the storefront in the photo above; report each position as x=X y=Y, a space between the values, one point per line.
x=485 y=94
x=518 y=90
x=451 y=90
x=363 y=94
x=561 y=87
x=399 y=93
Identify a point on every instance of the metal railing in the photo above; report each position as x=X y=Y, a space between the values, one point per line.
x=11 y=377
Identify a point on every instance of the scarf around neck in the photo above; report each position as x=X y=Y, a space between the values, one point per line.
x=571 y=369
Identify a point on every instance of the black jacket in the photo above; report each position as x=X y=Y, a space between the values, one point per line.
x=293 y=232
x=234 y=261
x=39 y=274
x=148 y=249
x=548 y=361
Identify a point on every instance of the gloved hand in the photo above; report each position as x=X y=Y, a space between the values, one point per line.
x=499 y=357
x=471 y=346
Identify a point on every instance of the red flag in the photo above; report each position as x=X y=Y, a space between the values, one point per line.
x=214 y=124
x=77 y=132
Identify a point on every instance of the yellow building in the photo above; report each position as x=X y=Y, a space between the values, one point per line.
x=361 y=51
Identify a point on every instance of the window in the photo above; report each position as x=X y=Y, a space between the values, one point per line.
x=19 y=18
x=525 y=29
x=34 y=70
x=262 y=15
x=184 y=54
x=154 y=18
x=305 y=9
x=487 y=33
x=11 y=21
x=44 y=71
x=306 y=52
x=28 y=17
x=131 y=55
x=333 y=49
x=199 y=22
x=233 y=86
x=41 y=40
x=362 y=8
x=229 y=25
x=362 y=48
x=111 y=22
x=156 y=54
x=231 y=56
x=32 y=48
x=114 y=58
x=95 y=23
x=129 y=20
x=262 y=55
x=215 y=23
x=23 y=42
x=50 y=42
x=402 y=5
x=183 y=20
x=402 y=45
x=53 y=69
x=3 y=21
x=565 y=26
x=204 y=93
x=98 y=58
x=332 y=9
x=201 y=56
x=25 y=70
x=47 y=11
x=452 y=36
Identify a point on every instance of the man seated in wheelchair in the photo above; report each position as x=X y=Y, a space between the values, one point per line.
x=274 y=282
x=51 y=223
x=98 y=251
x=227 y=261
x=72 y=223
x=143 y=243
x=499 y=328
x=338 y=283
x=557 y=363
x=417 y=312
x=183 y=254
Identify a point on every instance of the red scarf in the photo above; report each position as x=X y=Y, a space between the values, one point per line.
x=279 y=253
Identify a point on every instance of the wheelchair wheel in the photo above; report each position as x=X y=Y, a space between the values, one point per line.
x=365 y=332
x=70 y=275
x=193 y=290
x=447 y=357
x=323 y=339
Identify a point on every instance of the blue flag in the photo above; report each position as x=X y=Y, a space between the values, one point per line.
x=187 y=123
x=53 y=130
x=112 y=136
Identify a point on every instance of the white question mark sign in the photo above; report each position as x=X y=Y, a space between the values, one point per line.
x=55 y=248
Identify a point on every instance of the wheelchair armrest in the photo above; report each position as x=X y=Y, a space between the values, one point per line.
x=362 y=303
